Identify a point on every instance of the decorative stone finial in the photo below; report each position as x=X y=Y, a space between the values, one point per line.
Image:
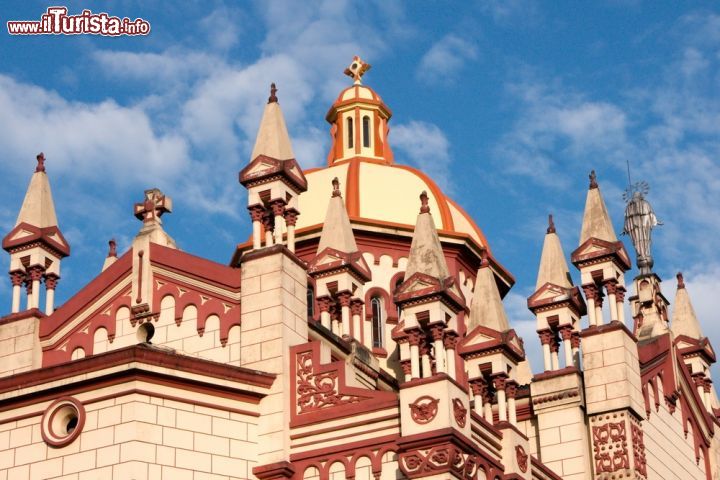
x=112 y=250
x=484 y=262
x=551 y=224
x=336 y=187
x=680 y=280
x=593 y=179
x=357 y=69
x=40 y=162
x=156 y=203
x=273 y=91
x=424 y=207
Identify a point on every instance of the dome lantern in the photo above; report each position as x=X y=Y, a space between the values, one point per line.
x=359 y=121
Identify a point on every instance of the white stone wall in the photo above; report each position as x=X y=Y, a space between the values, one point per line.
x=563 y=443
x=529 y=428
x=135 y=436
x=19 y=347
x=274 y=318
x=670 y=456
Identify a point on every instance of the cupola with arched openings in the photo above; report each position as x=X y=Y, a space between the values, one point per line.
x=359 y=121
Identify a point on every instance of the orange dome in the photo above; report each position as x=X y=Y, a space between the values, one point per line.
x=384 y=195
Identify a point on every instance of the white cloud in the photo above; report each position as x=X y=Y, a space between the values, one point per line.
x=559 y=132
x=523 y=321
x=445 y=59
x=222 y=27
x=504 y=11
x=157 y=70
x=85 y=138
x=703 y=284
x=425 y=146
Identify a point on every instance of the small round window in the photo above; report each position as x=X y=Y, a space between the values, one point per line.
x=62 y=422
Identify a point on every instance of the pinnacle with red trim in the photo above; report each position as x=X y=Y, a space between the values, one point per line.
x=337 y=231
x=553 y=266
x=272 y=138
x=426 y=254
x=487 y=308
x=596 y=220
x=684 y=320
x=38 y=208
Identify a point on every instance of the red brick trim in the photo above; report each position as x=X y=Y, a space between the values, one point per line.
x=609 y=327
x=438 y=377
x=14 y=317
x=196 y=267
x=39 y=236
x=555 y=373
x=275 y=470
x=89 y=294
x=141 y=354
x=237 y=260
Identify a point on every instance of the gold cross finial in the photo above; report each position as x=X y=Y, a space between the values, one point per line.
x=357 y=69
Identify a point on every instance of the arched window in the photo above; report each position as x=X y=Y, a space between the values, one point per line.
x=350 y=133
x=310 y=302
x=377 y=322
x=366 y=131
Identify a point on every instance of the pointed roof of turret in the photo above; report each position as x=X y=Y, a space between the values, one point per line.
x=272 y=138
x=337 y=250
x=36 y=221
x=487 y=308
x=337 y=232
x=553 y=267
x=427 y=274
x=426 y=254
x=38 y=208
x=684 y=320
x=596 y=221
x=272 y=157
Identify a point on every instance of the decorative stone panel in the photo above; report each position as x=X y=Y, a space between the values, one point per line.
x=617 y=446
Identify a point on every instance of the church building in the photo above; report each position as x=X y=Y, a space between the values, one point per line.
x=358 y=333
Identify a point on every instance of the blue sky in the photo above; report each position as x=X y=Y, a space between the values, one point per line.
x=507 y=104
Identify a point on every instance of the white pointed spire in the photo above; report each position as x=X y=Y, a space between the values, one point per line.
x=487 y=308
x=684 y=320
x=38 y=208
x=337 y=232
x=272 y=138
x=596 y=221
x=553 y=267
x=426 y=254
